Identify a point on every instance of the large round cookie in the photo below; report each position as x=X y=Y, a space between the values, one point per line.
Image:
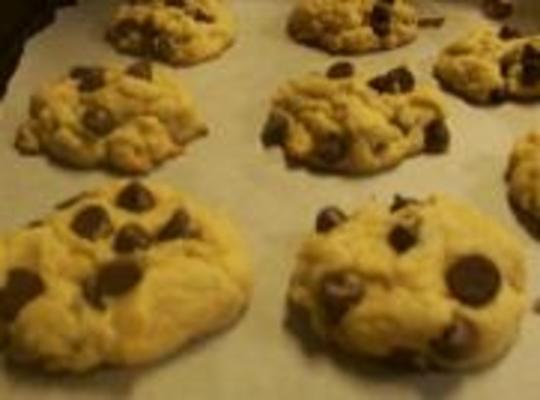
x=523 y=181
x=129 y=120
x=177 y=32
x=353 y=26
x=343 y=122
x=123 y=275
x=431 y=283
x=487 y=66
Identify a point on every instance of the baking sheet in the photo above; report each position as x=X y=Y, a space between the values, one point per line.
x=274 y=207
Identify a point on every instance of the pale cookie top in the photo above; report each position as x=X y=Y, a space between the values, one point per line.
x=122 y=275
x=178 y=32
x=523 y=176
x=344 y=122
x=129 y=120
x=353 y=26
x=434 y=282
x=487 y=66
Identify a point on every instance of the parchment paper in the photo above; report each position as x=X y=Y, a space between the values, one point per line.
x=274 y=207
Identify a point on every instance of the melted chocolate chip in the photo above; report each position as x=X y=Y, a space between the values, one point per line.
x=397 y=80
x=328 y=218
x=135 y=197
x=141 y=69
x=508 y=32
x=117 y=278
x=401 y=202
x=381 y=20
x=497 y=96
x=340 y=70
x=402 y=239
x=176 y=3
x=275 y=130
x=130 y=238
x=161 y=46
x=474 y=280
x=125 y=28
x=179 y=226
x=530 y=62
x=457 y=341
x=98 y=120
x=403 y=358
x=498 y=9
x=22 y=286
x=89 y=79
x=332 y=148
x=436 y=137
x=339 y=291
x=201 y=16
x=92 y=223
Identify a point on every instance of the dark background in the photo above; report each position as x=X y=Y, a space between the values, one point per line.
x=19 y=20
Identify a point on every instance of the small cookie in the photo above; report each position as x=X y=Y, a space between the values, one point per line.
x=129 y=120
x=120 y=276
x=342 y=122
x=353 y=26
x=433 y=283
x=523 y=181
x=489 y=67
x=177 y=32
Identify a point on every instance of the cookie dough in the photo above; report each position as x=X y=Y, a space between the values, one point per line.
x=343 y=122
x=427 y=284
x=487 y=66
x=119 y=276
x=177 y=32
x=353 y=26
x=130 y=120
x=523 y=183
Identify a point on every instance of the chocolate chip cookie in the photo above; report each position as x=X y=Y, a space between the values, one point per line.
x=122 y=275
x=522 y=179
x=489 y=66
x=177 y=32
x=128 y=119
x=432 y=283
x=353 y=26
x=343 y=122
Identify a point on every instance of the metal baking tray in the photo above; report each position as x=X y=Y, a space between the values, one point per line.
x=274 y=207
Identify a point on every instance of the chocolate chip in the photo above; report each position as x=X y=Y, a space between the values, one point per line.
x=71 y=201
x=331 y=148
x=401 y=202
x=92 y=223
x=338 y=292
x=162 y=47
x=135 y=197
x=89 y=79
x=125 y=28
x=497 y=96
x=130 y=238
x=98 y=120
x=202 y=16
x=141 y=69
x=431 y=22
x=402 y=239
x=117 y=278
x=175 y=3
x=473 y=280
x=397 y=80
x=275 y=130
x=328 y=218
x=507 y=33
x=380 y=20
x=22 y=286
x=498 y=9
x=179 y=226
x=530 y=62
x=403 y=358
x=340 y=70
x=457 y=341
x=436 y=137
